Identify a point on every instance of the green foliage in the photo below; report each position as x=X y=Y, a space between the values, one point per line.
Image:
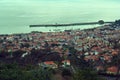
x=117 y=22
x=101 y=22
x=42 y=74
x=85 y=75
x=13 y=72
x=72 y=50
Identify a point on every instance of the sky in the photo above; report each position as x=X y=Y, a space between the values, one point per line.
x=17 y=15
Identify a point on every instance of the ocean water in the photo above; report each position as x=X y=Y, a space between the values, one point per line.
x=17 y=15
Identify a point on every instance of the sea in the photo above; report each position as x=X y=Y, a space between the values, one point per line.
x=17 y=15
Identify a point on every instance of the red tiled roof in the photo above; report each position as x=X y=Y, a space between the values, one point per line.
x=68 y=61
x=49 y=62
x=112 y=69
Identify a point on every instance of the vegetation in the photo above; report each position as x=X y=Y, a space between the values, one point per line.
x=86 y=74
x=115 y=62
x=101 y=22
x=117 y=22
x=15 y=72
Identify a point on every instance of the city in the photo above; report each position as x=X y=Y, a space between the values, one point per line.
x=59 y=40
x=96 y=49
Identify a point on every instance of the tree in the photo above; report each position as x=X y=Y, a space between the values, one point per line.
x=115 y=62
x=117 y=22
x=101 y=22
x=87 y=74
x=15 y=72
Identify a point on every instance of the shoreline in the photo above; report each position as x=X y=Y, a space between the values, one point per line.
x=53 y=30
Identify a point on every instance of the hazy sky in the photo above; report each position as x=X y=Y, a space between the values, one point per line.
x=22 y=13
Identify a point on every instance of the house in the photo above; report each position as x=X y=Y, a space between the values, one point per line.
x=65 y=63
x=99 y=68
x=50 y=64
x=112 y=70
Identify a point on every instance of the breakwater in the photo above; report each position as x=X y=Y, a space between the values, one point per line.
x=62 y=25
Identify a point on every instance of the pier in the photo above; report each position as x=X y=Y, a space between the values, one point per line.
x=63 y=25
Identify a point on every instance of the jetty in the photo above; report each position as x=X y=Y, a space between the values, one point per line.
x=63 y=25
